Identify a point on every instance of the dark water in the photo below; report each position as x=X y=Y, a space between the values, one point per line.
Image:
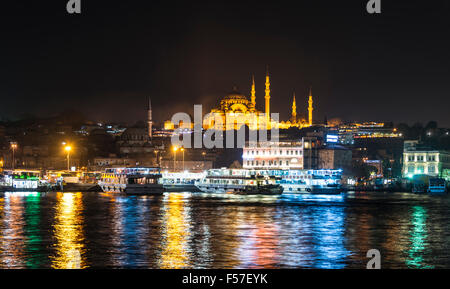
x=184 y=230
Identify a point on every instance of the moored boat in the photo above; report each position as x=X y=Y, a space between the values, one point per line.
x=437 y=186
x=23 y=181
x=132 y=181
x=181 y=181
x=308 y=181
x=238 y=181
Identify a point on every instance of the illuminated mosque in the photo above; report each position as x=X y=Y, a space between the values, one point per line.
x=239 y=110
x=236 y=109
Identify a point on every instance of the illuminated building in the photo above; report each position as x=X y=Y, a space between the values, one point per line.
x=287 y=154
x=149 y=118
x=294 y=111
x=334 y=157
x=310 y=107
x=235 y=106
x=422 y=161
x=294 y=121
x=349 y=133
x=267 y=96
x=283 y=155
x=239 y=110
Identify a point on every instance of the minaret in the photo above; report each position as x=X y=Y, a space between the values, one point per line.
x=267 y=97
x=253 y=94
x=310 y=107
x=149 y=118
x=294 y=111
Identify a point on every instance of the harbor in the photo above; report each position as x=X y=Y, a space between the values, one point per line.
x=152 y=180
x=199 y=230
x=143 y=217
x=229 y=135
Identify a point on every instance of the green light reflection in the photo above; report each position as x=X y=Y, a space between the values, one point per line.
x=418 y=239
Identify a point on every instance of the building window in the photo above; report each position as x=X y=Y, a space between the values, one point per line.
x=431 y=169
x=410 y=169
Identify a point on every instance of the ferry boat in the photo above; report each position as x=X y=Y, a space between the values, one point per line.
x=74 y=181
x=437 y=186
x=308 y=181
x=181 y=181
x=238 y=181
x=23 y=181
x=132 y=181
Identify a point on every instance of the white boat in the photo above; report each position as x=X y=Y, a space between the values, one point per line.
x=132 y=181
x=22 y=181
x=73 y=181
x=181 y=181
x=437 y=186
x=238 y=181
x=308 y=181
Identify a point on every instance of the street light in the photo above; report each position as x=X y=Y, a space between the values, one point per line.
x=182 y=149
x=13 y=148
x=174 y=156
x=156 y=157
x=68 y=148
x=204 y=164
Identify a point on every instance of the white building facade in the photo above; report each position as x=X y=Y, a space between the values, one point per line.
x=279 y=155
x=433 y=163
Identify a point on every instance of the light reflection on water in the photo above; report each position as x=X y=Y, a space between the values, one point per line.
x=175 y=233
x=190 y=230
x=68 y=232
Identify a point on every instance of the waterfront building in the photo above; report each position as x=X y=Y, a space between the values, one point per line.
x=149 y=118
x=425 y=161
x=284 y=154
x=349 y=133
x=268 y=155
x=334 y=157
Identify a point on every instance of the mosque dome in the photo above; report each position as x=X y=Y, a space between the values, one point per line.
x=235 y=95
x=234 y=102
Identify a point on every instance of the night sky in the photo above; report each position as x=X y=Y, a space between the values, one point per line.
x=108 y=60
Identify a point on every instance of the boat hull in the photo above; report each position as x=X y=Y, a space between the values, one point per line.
x=303 y=189
x=40 y=189
x=242 y=190
x=130 y=189
x=150 y=189
x=181 y=188
x=80 y=187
